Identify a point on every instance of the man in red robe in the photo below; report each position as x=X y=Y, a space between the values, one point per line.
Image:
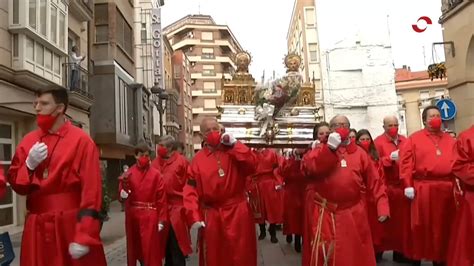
x=216 y=202
x=388 y=145
x=341 y=173
x=143 y=191
x=173 y=167
x=269 y=194
x=294 y=192
x=460 y=251
x=57 y=168
x=426 y=171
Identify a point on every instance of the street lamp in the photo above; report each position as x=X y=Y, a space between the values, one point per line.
x=160 y=103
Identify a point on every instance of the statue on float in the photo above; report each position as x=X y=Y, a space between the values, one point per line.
x=276 y=96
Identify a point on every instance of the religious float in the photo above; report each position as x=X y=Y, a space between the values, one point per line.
x=280 y=113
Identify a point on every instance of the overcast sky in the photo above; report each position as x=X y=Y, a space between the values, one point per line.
x=261 y=26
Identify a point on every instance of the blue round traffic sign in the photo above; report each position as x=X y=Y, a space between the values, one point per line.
x=447 y=108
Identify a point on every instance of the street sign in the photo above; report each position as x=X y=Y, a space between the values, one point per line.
x=448 y=109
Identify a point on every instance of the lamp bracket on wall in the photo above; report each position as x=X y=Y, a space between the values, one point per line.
x=450 y=43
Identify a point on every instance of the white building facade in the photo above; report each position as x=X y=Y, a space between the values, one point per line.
x=358 y=75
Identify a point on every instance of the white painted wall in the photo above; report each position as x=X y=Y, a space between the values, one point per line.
x=356 y=62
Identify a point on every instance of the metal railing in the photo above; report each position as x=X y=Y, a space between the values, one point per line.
x=76 y=79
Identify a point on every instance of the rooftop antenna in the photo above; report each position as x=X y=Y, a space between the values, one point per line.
x=263 y=77
x=199 y=7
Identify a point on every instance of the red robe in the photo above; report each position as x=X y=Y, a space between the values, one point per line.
x=73 y=184
x=145 y=207
x=271 y=200
x=396 y=229
x=294 y=196
x=336 y=213
x=460 y=252
x=174 y=173
x=229 y=237
x=376 y=227
x=433 y=208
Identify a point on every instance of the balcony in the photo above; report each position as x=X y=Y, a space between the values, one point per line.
x=82 y=9
x=76 y=80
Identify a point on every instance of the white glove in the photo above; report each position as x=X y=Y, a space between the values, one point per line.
x=410 y=192
x=278 y=187
x=334 y=140
x=160 y=227
x=198 y=225
x=38 y=153
x=394 y=156
x=227 y=139
x=123 y=194
x=77 y=250
x=315 y=143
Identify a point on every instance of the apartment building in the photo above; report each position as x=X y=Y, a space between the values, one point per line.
x=210 y=48
x=415 y=91
x=124 y=116
x=172 y=123
x=36 y=40
x=182 y=77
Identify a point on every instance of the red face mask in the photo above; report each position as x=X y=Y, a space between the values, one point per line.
x=143 y=161
x=45 y=122
x=323 y=139
x=365 y=144
x=213 y=138
x=162 y=151
x=393 y=132
x=435 y=123
x=344 y=132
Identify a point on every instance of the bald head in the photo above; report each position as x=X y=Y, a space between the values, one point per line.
x=339 y=121
x=390 y=122
x=209 y=124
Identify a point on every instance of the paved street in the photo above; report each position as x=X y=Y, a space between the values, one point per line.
x=281 y=254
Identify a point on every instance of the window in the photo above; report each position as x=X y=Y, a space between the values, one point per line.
x=439 y=93
x=15 y=45
x=101 y=18
x=8 y=203
x=54 y=22
x=48 y=59
x=32 y=13
x=209 y=103
x=39 y=54
x=424 y=95
x=16 y=12
x=209 y=86
x=62 y=30
x=310 y=17
x=30 y=49
x=124 y=34
x=207 y=36
x=144 y=34
x=57 y=64
x=208 y=70
x=122 y=95
x=42 y=17
x=313 y=52
x=177 y=71
x=207 y=53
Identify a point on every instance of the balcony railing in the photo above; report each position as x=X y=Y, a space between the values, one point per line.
x=76 y=79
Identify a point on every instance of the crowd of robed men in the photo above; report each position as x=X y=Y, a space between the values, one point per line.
x=350 y=199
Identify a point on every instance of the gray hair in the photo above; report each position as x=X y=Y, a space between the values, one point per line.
x=167 y=140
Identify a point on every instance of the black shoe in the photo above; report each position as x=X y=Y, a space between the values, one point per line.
x=400 y=258
x=289 y=239
x=272 y=231
x=439 y=263
x=273 y=239
x=263 y=232
x=298 y=243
